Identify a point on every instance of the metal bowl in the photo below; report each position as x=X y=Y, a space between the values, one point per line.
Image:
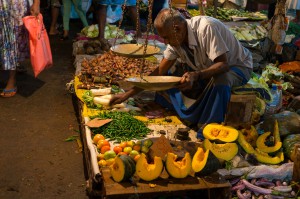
x=154 y=83
x=134 y=50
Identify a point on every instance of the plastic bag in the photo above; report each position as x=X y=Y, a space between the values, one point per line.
x=114 y=13
x=40 y=51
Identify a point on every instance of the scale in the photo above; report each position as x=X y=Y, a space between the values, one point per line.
x=153 y=83
x=134 y=50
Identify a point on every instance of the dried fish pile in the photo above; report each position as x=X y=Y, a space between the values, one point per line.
x=107 y=69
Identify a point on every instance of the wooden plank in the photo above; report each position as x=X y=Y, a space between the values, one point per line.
x=93 y=183
x=217 y=182
x=162 y=186
x=296 y=168
x=240 y=109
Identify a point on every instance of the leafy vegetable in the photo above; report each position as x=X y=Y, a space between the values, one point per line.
x=272 y=74
x=110 y=32
x=91 y=31
x=228 y=165
x=226 y=13
x=116 y=89
x=71 y=138
x=88 y=99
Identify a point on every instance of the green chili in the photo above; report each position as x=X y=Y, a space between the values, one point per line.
x=123 y=127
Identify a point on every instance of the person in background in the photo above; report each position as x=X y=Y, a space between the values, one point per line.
x=14 y=38
x=295 y=5
x=210 y=60
x=66 y=16
x=102 y=14
x=297 y=19
x=157 y=6
x=92 y=10
x=55 y=8
x=271 y=10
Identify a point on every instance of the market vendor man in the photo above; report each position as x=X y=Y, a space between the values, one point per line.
x=210 y=61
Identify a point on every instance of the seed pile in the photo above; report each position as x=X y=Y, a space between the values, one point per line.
x=109 y=68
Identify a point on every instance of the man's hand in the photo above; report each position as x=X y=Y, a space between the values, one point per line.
x=119 y=98
x=188 y=79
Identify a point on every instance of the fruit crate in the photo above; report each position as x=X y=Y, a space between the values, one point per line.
x=99 y=183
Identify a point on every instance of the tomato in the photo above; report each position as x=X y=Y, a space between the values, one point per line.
x=137 y=157
x=127 y=149
x=98 y=137
x=123 y=144
x=100 y=156
x=104 y=149
x=102 y=163
x=118 y=149
x=137 y=147
x=130 y=143
x=102 y=143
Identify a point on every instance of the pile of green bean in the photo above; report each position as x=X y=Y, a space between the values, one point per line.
x=123 y=126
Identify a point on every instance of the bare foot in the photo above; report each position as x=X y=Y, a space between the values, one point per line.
x=53 y=31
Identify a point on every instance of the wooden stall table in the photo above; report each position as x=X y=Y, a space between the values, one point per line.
x=101 y=185
x=199 y=187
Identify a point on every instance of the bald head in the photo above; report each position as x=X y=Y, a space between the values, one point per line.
x=166 y=17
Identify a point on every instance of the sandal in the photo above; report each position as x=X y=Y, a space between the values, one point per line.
x=9 y=93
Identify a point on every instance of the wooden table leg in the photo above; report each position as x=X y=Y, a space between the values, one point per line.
x=296 y=169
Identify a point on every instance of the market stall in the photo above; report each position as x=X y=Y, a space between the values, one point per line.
x=140 y=149
x=101 y=183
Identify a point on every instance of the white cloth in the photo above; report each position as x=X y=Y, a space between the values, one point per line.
x=282 y=172
x=209 y=38
x=293 y=4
